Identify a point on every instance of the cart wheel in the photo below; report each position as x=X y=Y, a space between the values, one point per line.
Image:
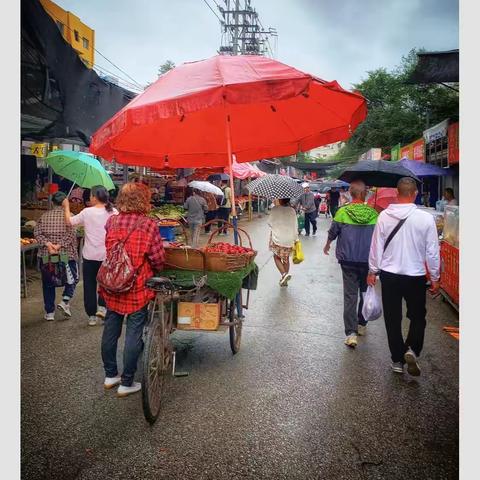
x=235 y=330
x=157 y=361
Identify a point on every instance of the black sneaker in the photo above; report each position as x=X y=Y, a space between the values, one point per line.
x=314 y=232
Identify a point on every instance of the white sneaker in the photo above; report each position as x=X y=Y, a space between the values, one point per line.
x=412 y=365
x=125 y=391
x=92 y=321
x=111 y=382
x=65 y=308
x=351 y=340
x=101 y=312
x=362 y=330
x=397 y=367
x=49 y=317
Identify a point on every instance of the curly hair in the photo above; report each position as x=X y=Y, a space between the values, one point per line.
x=134 y=197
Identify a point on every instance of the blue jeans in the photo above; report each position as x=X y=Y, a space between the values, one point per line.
x=112 y=330
x=49 y=291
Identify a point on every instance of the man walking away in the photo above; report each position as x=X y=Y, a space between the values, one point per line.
x=353 y=227
x=307 y=204
x=404 y=240
x=334 y=200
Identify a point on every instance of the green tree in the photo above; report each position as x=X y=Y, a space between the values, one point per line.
x=165 y=67
x=398 y=112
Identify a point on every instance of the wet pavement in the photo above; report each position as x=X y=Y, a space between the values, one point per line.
x=294 y=403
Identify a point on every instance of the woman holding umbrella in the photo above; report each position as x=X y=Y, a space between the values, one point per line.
x=283 y=224
x=93 y=219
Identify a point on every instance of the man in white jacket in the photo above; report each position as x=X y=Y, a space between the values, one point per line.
x=405 y=239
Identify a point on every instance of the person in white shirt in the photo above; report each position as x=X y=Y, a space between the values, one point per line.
x=93 y=220
x=449 y=196
x=405 y=239
x=284 y=232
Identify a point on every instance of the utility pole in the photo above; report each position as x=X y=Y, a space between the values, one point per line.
x=242 y=30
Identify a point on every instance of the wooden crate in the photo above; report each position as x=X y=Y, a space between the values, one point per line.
x=198 y=316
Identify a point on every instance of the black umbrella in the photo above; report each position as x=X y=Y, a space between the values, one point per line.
x=275 y=186
x=377 y=173
x=218 y=176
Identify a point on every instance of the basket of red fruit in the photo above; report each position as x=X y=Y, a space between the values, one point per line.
x=225 y=257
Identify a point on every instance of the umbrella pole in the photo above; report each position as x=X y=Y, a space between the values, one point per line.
x=230 y=170
x=71 y=188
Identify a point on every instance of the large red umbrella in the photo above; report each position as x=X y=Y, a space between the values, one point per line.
x=200 y=113
x=271 y=110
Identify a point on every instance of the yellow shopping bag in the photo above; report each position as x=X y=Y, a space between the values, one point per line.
x=298 y=256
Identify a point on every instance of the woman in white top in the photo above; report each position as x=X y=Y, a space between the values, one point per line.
x=93 y=220
x=283 y=223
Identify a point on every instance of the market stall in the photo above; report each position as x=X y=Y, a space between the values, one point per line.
x=449 y=257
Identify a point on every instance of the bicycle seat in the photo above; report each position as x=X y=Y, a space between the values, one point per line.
x=158 y=283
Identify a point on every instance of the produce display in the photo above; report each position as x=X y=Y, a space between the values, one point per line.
x=172 y=212
x=27 y=241
x=228 y=248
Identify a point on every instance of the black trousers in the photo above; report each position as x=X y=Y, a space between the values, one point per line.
x=222 y=214
x=310 y=218
x=210 y=215
x=90 y=270
x=395 y=288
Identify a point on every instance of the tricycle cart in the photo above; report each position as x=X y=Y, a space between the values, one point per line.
x=193 y=301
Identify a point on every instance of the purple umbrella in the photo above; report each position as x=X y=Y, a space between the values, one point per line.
x=421 y=169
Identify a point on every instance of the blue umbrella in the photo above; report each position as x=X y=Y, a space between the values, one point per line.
x=421 y=169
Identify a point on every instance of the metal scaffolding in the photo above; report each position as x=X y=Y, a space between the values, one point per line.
x=243 y=32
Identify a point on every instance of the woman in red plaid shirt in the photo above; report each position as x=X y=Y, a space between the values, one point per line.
x=145 y=249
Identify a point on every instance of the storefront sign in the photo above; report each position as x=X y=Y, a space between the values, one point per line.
x=436 y=132
x=406 y=152
x=419 y=150
x=395 y=153
x=39 y=149
x=414 y=151
x=453 y=144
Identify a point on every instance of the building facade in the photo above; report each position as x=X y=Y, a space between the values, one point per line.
x=80 y=36
x=326 y=151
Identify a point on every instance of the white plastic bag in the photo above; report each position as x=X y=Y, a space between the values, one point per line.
x=372 y=305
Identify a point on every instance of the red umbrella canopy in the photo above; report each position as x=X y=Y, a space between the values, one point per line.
x=383 y=198
x=269 y=109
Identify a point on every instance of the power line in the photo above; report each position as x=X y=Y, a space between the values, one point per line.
x=103 y=70
x=213 y=11
x=125 y=73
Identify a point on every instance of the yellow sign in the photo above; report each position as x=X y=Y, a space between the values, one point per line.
x=39 y=149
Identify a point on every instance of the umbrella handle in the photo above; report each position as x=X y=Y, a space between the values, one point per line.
x=71 y=188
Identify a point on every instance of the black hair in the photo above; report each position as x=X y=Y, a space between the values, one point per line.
x=450 y=191
x=284 y=202
x=58 y=198
x=102 y=195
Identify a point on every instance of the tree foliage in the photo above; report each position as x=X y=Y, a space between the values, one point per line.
x=398 y=112
x=165 y=67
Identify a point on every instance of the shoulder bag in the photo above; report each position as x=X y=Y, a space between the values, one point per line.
x=117 y=274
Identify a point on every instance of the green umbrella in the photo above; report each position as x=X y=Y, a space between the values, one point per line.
x=81 y=168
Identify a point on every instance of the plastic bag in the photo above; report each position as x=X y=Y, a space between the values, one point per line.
x=372 y=305
x=298 y=256
x=300 y=222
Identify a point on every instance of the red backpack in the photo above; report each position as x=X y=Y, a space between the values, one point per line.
x=117 y=273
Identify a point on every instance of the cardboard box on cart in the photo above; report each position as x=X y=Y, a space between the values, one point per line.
x=198 y=316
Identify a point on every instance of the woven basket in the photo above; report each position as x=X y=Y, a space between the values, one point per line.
x=222 y=262
x=183 y=258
